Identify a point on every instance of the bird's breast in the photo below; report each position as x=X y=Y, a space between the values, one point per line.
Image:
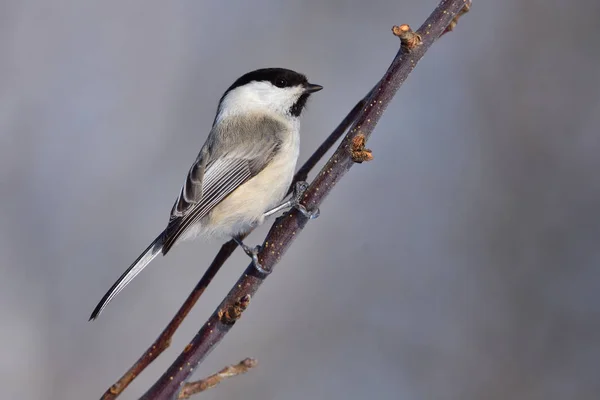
x=245 y=206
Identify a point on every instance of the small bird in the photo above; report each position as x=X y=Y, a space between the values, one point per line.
x=243 y=170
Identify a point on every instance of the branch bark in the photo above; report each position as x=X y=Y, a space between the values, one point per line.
x=287 y=227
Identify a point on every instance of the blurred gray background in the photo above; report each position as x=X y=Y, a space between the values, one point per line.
x=462 y=263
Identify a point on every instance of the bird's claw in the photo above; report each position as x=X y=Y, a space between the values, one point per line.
x=310 y=214
x=253 y=254
x=299 y=191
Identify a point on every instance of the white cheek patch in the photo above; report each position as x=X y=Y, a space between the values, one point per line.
x=257 y=96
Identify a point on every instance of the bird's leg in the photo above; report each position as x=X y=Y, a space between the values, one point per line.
x=253 y=254
x=282 y=206
x=294 y=201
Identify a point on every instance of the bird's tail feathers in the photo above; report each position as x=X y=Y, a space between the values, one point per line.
x=138 y=265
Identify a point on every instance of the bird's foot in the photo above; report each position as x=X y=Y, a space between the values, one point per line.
x=252 y=252
x=299 y=191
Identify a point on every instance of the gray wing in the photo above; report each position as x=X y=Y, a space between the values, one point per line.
x=233 y=154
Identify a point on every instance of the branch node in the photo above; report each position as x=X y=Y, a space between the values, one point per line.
x=466 y=8
x=234 y=312
x=359 y=153
x=116 y=389
x=408 y=39
x=192 y=388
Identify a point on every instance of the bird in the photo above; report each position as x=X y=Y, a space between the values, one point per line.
x=242 y=172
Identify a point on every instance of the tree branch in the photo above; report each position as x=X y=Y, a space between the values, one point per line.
x=286 y=228
x=191 y=388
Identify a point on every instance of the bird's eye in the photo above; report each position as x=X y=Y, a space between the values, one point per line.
x=280 y=82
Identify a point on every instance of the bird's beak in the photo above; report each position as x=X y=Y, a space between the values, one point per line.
x=310 y=88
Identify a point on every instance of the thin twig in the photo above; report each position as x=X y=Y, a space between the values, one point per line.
x=209 y=382
x=286 y=228
x=164 y=340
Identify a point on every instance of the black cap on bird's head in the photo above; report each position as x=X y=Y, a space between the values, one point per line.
x=281 y=78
